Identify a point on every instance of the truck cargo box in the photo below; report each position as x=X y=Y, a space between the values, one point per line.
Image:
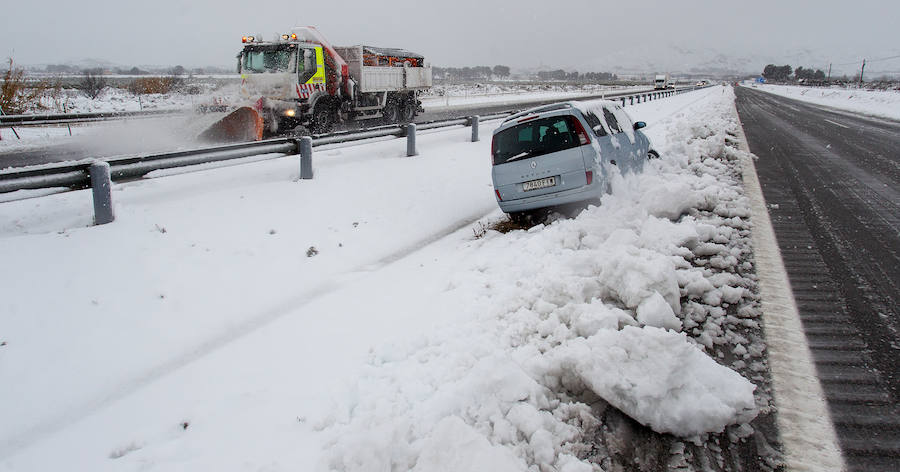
x=385 y=69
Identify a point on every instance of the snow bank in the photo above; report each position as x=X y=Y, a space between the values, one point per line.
x=883 y=103
x=573 y=310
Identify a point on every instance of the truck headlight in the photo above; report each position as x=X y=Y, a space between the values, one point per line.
x=290 y=112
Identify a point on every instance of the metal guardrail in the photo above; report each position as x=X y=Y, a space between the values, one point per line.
x=69 y=118
x=8 y=121
x=83 y=174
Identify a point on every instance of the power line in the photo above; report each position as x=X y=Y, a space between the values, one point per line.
x=869 y=60
x=883 y=58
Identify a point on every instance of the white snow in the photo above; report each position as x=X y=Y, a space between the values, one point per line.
x=370 y=319
x=451 y=97
x=683 y=392
x=881 y=103
x=456 y=446
x=654 y=311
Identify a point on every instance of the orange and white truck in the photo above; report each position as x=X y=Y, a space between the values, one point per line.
x=301 y=80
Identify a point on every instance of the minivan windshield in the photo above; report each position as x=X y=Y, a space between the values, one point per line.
x=534 y=138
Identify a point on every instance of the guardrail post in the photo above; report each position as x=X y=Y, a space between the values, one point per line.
x=306 y=168
x=411 y=139
x=474 y=122
x=101 y=187
x=632 y=100
x=623 y=101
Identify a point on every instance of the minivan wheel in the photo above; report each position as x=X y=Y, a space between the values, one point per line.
x=651 y=154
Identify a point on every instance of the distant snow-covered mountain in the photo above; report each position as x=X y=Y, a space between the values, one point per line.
x=711 y=61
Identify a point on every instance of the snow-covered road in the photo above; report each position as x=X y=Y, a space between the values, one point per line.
x=238 y=318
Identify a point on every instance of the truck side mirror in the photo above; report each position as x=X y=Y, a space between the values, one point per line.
x=639 y=125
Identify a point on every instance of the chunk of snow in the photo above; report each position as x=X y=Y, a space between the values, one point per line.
x=661 y=380
x=654 y=311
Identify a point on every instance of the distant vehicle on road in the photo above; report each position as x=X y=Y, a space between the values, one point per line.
x=563 y=153
x=661 y=82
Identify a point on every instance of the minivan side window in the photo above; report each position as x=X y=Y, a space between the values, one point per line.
x=611 y=121
x=594 y=123
x=624 y=120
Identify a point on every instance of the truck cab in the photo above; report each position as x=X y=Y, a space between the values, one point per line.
x=283 y=76
x=661 y=82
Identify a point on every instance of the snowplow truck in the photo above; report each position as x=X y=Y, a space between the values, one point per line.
x=301 y=80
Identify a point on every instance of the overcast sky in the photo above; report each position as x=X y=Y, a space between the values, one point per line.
x=582 y=34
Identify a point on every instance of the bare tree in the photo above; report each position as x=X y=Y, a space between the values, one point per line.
x=93 y=83
x=16 y=96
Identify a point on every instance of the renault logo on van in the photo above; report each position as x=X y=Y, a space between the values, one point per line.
x=533 y=164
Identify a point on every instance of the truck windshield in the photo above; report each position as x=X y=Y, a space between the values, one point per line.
x=267 y=60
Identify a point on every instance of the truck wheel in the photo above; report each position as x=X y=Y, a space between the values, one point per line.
x=407 y=112
x=391 y=112
x=321 y=118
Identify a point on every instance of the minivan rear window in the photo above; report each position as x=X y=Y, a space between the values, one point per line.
x=535 y=138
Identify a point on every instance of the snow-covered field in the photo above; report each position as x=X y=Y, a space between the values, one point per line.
x=371 y=318
x=882 y=103
x=459 y=96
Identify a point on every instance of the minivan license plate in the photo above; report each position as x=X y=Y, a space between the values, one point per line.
x=539 y=183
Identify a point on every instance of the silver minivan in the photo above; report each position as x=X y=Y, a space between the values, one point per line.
x=560 y=154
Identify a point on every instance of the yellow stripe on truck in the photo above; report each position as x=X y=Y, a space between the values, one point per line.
x=319 y=77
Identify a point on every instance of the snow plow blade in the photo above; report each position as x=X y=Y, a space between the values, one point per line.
x=242 y=124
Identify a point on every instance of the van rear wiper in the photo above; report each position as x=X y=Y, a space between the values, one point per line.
x=521 y=155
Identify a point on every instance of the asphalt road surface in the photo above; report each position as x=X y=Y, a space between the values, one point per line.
x=831 y=181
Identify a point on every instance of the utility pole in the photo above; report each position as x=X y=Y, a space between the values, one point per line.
x=829 y=73
x=861 y=73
